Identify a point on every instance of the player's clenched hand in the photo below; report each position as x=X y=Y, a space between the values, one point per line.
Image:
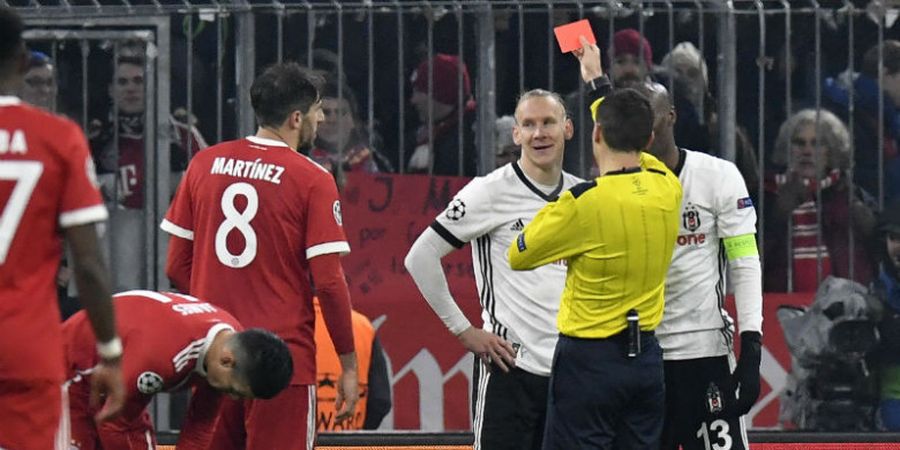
x=489 y=347
x=347 y=394
x=107 y=388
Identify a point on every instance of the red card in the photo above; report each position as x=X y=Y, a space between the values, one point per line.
x=567 y=35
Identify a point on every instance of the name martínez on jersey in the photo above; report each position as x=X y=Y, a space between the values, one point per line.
x=254 y=170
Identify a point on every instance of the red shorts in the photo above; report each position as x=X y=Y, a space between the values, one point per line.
x=30 y=412
x=132 y=430
x=284 y=422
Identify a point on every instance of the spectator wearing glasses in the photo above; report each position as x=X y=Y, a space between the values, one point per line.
x=40 y=87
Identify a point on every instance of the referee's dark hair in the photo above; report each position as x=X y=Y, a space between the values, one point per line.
x=263 y=362
x=282 y=89
x=626 y=120
x=12 y=47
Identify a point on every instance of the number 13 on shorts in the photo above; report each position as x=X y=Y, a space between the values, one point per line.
x=715 y=435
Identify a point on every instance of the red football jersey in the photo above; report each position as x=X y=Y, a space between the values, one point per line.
x=256 y=212
x=47 y=182
x=164 y=336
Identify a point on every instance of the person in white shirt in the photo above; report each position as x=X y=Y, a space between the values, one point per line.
x=515 y=345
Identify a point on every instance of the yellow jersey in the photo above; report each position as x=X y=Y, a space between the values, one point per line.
x=616 y=233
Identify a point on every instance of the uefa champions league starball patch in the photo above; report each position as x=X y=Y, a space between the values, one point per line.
x=456 y=210
x=149 y=383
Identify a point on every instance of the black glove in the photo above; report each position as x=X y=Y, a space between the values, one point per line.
x=744 y=378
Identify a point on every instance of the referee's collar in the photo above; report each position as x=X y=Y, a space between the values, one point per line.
x=551 y=197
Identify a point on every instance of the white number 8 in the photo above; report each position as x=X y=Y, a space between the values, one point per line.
x=241 y=222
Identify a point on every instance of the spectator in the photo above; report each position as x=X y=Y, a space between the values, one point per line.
x=172 y=341
x=342 y=140
x=816 y=155
x=374 y=379
x=121 y=169
x=438 y=147
x=697 y=127
x=40 y=87
x=866 y=91
x=631 y=58
x=50 y=193
x=507 y=150
x=887 y=289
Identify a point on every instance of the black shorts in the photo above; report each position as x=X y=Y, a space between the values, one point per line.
x=687 y=424
x=601 y=399
x=509 y=408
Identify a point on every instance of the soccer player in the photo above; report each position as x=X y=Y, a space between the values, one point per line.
x=254 y=225
x=617 y=233
x=718 y=223
x=48 y=188
x=515 y=346
x=172 y=341
x=716 y=232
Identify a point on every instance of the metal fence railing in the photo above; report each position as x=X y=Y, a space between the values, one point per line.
x=739 y=71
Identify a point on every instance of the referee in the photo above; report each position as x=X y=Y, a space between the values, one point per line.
x=617 y=233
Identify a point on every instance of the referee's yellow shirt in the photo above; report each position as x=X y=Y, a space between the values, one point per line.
x=617 y=233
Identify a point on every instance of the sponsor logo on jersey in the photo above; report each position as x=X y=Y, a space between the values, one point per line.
x=149 y=383
x=517 y=226
x=692 y=239
x=745 y=202
x=456 y=210
x=690 y=218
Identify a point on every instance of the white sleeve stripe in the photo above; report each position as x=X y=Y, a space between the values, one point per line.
x=96 y=213
x=341 y=247
x=175 y=230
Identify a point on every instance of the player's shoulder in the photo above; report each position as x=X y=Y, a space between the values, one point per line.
x=54 y=126
x=707 y=164
x=571 y=180
x=483 y=185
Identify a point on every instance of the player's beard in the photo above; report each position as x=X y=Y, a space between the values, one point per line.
x=307 y=135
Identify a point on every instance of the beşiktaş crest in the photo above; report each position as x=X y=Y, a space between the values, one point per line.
x=690 y=218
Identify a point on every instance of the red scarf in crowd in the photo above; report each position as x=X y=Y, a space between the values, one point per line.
x=808 y=247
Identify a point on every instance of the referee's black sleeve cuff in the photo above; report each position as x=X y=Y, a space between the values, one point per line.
x=446 y=234
x=597 y=88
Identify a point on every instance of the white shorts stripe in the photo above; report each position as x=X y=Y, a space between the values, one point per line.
x=311 y=418
x=63 y=433
x=484 y=377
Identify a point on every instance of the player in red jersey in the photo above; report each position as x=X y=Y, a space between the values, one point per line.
x=254 y=224
x=171 y=341
x=46 y=186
